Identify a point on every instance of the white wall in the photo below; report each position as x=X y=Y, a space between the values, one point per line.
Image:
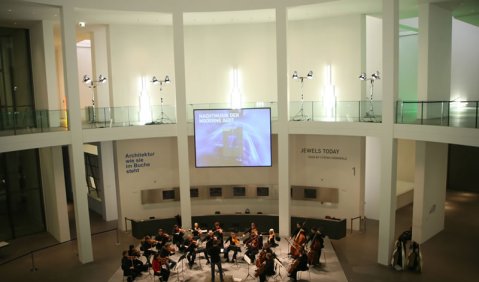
x=372 y=177
x=465 y=61
x=211 y=52
x=374 y=55
x=313 y=44
x=137 y=53
x=406 y=159
x=318 y=168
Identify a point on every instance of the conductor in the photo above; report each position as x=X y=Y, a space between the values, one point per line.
x=215 y=258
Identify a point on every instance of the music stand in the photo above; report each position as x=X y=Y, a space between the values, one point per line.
x=248 y=261
x=182 y=260
x=278 y=263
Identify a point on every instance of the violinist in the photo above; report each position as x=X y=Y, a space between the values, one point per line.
x=134 y=255
x=265 y=263
x=190 y=248
x=300 y=263
x=249 y=231
x=233 y=246
x=272 y=238
x=317 y=243
x=160 y=267
x=196 y=231
x=166 y=251
x=128 y=267
x=218 y=233
x=162 y=238
x=146 y=245
x=252 y=246
x=178 y=239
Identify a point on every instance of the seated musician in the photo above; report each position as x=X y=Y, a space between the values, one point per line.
x=233 y=246
x=296 y=231
x=147 y=244
x=252 y=247
x=160 y=267
x=190 y=249
x=178 y=234
x=165 y=252
x=134 y=255
x=272 y=238
x=265 y=263
x=162 y=238
x=218 y=233
x=317 y=244
x=128 y=267
x=299 y=264
x=196 y=231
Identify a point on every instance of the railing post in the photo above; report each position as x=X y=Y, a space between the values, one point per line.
x=33 y=269
x=422 y=112
x=477 y=108
x=448 y=112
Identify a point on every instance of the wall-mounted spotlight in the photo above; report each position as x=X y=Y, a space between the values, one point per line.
x=300 y=116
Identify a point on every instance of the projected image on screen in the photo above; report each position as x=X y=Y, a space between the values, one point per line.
x=227 y=137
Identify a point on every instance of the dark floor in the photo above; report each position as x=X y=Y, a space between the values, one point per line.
x=451 y=255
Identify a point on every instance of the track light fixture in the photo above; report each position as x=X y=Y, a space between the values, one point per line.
x=155 y=80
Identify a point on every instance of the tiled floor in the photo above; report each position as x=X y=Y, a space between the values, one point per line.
x=451 y=255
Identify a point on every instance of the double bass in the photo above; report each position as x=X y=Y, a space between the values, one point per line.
x=317 y=244
x=298 y=243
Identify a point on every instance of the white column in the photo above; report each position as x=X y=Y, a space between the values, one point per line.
x=100 y=66
x=182 y=130
x=77 y=162
x=429 y=190
x=282 y=125
x=54 y=193
x=108 y=193
x=434 y=43
x=372 y=177
x=434 y=82
x=387 y=207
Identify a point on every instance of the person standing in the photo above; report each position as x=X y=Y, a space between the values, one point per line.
x=215 y=259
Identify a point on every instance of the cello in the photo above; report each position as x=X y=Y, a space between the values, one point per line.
x=317 y=243
x=298 y=243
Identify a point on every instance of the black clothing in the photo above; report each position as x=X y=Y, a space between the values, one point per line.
x=214 y=252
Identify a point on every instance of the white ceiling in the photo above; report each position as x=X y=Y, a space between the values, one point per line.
x=14 y=13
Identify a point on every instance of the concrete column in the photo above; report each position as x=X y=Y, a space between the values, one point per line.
x=429 y=190
x=182 y=130
x=282 y=125
x=108 y=193
x=387 y=207
x=54 y=193
x=372 y=177
x=99 y=45
x=434 y=43
x=77 y=161
x=434 y=83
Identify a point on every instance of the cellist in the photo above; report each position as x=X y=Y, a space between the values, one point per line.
x=317 y=243
x=298 y=242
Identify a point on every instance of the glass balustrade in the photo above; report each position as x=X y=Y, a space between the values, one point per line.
x=27 y=121
x=441 y=113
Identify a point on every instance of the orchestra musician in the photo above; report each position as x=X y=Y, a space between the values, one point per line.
x=265 y=263
x=166 y=251
x=317 y=244
x=252 y=247
x=128 y=267
x=249 y=231
x=298 y=243
x=190 y=248
x=272 y=238
x=162 y=238
x=233 y=246
x=196 y=231
x=160 y=267
x=218 y=233
x=178 y=239
x=300 y=263
x=146 y=245
x=134 y=254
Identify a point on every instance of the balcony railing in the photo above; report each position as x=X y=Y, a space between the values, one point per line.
x=442 y=113
x=27 y=121
x=339 y=111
